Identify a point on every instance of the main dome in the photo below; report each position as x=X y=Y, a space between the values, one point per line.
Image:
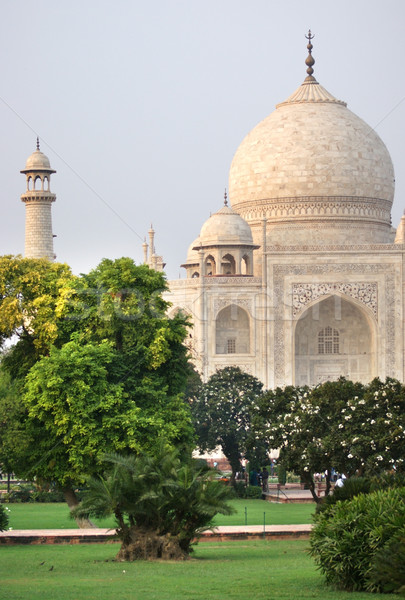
x=314 y=161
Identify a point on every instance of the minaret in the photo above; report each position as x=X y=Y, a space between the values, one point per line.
x=38 y=201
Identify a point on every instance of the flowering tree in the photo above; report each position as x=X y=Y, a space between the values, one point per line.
x=222 y=411
x=371 y=430
x=343 y=425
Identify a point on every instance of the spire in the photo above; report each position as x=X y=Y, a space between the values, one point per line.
x=145 y=252
x=310 y=61
x=38 y=143
x=225 y=198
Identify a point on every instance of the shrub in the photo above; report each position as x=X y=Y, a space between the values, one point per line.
x=351 y=488
x=50 y=496
x=254 y=492
x=388 y=569
x=348 y=536
x=282 y=474
x=386 y=480
x=240 y=489
x=22 y=494
x=3 y=517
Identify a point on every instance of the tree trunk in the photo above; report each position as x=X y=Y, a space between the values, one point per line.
x=72 y=502
x=149 y=545
x=311 y=484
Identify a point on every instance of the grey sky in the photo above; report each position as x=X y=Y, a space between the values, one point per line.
x=141 y=105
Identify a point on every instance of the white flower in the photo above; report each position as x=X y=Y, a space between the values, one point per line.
x=379 y=457
x=340 y=426
x=350 y=456
x=347 y=417
x=354 y=440
x=372 y=422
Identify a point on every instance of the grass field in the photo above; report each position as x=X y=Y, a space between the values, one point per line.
x=261 y=570
x=56 y=516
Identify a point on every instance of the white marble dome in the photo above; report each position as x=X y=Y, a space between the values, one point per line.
x=312 y=159
x=38 y=161
x=193 y=257
x=225 y=228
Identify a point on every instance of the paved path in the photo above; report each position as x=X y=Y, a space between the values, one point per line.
x=77 y=536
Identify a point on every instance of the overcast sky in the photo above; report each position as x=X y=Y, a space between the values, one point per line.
x=141 y=105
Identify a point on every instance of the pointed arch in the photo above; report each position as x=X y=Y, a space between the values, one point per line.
x=228 y=264
x=334 y=336
x=210 y=265
x=232 y=331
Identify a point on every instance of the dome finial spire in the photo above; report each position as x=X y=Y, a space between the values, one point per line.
x=310 y=61
x=37 y=142
x=225 y=198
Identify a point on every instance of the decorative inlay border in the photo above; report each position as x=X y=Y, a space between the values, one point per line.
x=220 y=303
x=389 y=248
x=246 y=368
x=319 y=206
x=230 y=281
x=303 y=293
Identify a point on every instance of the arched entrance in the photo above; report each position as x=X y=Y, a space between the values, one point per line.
x=232 y=331
x=334 y=337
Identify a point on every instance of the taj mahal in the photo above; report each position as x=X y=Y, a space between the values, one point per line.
x=299 y=277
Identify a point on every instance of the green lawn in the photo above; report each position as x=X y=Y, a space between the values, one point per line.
x=261 y=570
x=56 y=516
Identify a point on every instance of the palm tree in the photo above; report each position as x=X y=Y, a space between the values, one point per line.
x=161 y=503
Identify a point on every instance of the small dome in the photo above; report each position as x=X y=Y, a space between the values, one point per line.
x=38 y=161
x=193 y=256
x=225 y=228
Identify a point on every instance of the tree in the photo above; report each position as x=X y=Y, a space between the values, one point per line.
x=160 y=502
x=370 y=430
x=108 y=374
x=347 y=426
x=222 y=413
x=15 y=441
x=32 y=297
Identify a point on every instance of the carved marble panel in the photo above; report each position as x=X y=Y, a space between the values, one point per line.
x=220 y=303
x=364 y=292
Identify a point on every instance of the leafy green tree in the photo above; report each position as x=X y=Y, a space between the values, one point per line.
x=32 y=298
x=222 y=413
x=15 y=440
x=102 y=370
x=161 y=503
